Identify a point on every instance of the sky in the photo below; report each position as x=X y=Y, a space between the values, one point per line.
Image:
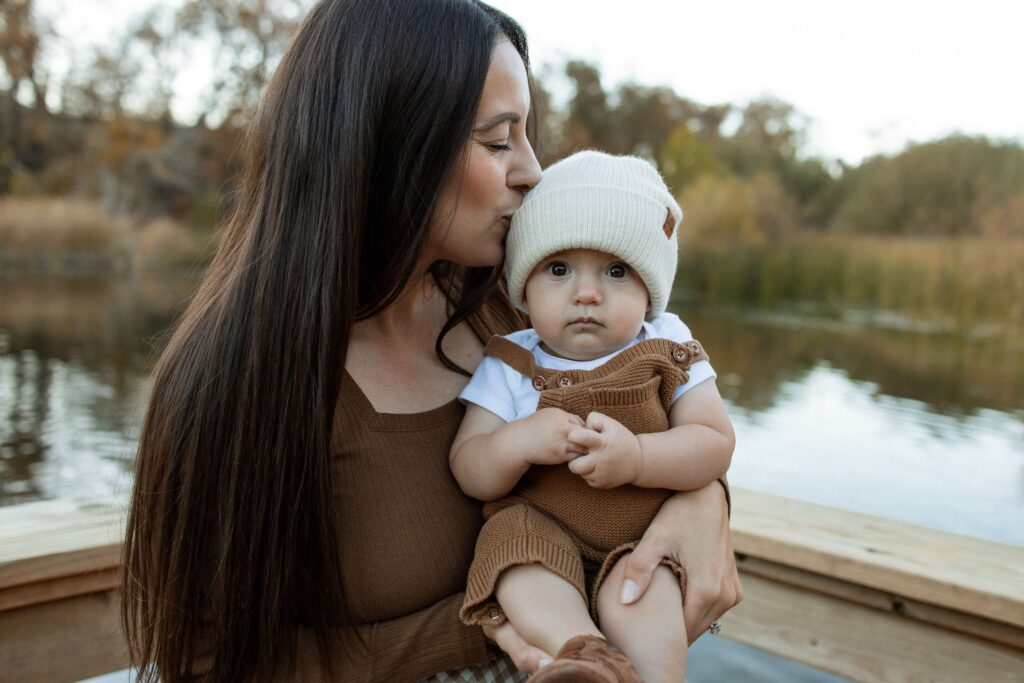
x=871 y=75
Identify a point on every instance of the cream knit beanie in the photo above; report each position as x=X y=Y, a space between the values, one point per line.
x=591 y=200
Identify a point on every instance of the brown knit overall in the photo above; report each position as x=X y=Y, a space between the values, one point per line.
x=553 y=516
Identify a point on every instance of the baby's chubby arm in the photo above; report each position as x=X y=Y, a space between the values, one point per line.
x=695 y=450
x=489 y=455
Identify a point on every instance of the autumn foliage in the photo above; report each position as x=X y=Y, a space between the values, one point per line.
x=105 y=132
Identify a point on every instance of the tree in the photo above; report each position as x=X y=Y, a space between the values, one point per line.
x=645 y=116
x=250 y=38
x=685 y=157
x=770 y=136
x=587 y=123
x=959 y=185
x=22 y=30
x=632 y=119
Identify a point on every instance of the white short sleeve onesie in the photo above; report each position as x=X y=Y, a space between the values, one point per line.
x=511 y=396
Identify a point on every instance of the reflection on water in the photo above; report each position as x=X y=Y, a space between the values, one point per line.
x=920 y=426
x=925 y=428
x=834 y=441
x=75 y=355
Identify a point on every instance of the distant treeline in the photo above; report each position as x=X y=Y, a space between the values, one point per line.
x=105 y=130
x=741 y=174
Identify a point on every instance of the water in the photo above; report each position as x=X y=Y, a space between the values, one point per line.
x=75 y=355
x=920 y=426
x=866 y=412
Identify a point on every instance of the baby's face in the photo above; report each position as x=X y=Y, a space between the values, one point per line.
x=585 y=304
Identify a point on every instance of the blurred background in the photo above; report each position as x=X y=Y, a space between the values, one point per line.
x=852 y=252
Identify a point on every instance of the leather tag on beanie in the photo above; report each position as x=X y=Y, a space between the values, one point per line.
x=670 y=224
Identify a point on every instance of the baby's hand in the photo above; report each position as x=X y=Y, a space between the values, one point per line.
x=544 y=437
x=614 y=456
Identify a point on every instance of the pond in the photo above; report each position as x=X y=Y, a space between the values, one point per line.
x=865 y=412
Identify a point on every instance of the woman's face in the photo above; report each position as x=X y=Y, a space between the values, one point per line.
x=476 y=204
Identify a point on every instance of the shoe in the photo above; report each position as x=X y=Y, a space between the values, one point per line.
x=587 y=659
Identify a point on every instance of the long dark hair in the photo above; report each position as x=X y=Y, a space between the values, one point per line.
x=231 y=541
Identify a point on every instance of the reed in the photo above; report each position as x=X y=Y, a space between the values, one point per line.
x=964 y=282
x=166 y=244
x=49 y=233
x=57 y=234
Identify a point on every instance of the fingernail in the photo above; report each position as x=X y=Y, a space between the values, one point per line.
x=628 y=594
x=544 y=662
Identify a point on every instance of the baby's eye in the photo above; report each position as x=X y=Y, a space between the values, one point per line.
x=558 y=268
x=618 y=271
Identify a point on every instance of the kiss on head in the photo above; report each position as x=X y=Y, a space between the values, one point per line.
x=294 y=514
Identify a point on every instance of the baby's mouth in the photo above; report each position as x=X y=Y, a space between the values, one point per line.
x=585 y=320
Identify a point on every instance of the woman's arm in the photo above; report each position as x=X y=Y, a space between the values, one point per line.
x=693 y=529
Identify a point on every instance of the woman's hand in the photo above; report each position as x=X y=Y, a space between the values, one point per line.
x=526 y=657
x=693 y=529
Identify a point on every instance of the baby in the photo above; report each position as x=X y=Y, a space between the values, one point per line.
x=577 y=430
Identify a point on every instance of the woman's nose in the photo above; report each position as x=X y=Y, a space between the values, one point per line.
x=527 y=171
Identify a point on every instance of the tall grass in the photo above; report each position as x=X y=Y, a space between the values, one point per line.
x=54 y=234
x=166 y=244
x=963 y=281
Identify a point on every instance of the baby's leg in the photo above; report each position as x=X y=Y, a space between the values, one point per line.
x=545 y=609
x=651 y=631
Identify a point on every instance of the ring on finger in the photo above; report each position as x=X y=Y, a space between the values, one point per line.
x=715 y=628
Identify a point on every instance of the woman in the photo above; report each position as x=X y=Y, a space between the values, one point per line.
x=293 y=514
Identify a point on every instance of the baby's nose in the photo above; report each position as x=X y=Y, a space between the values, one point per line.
x=587 y=293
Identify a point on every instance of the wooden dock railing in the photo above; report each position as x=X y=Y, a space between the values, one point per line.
x=866 y=598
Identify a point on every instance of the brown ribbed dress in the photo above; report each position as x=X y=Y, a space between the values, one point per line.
x=407 y=533
x=552 y=516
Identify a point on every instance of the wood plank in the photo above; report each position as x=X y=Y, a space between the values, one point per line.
x=53 y=539
x=66 y=640
x=868 y=598
x=958 y=572
x=861 y=643
x=968 y=624
x=57 y=589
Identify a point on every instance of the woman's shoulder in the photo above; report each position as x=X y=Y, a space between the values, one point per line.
x=497 y=316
